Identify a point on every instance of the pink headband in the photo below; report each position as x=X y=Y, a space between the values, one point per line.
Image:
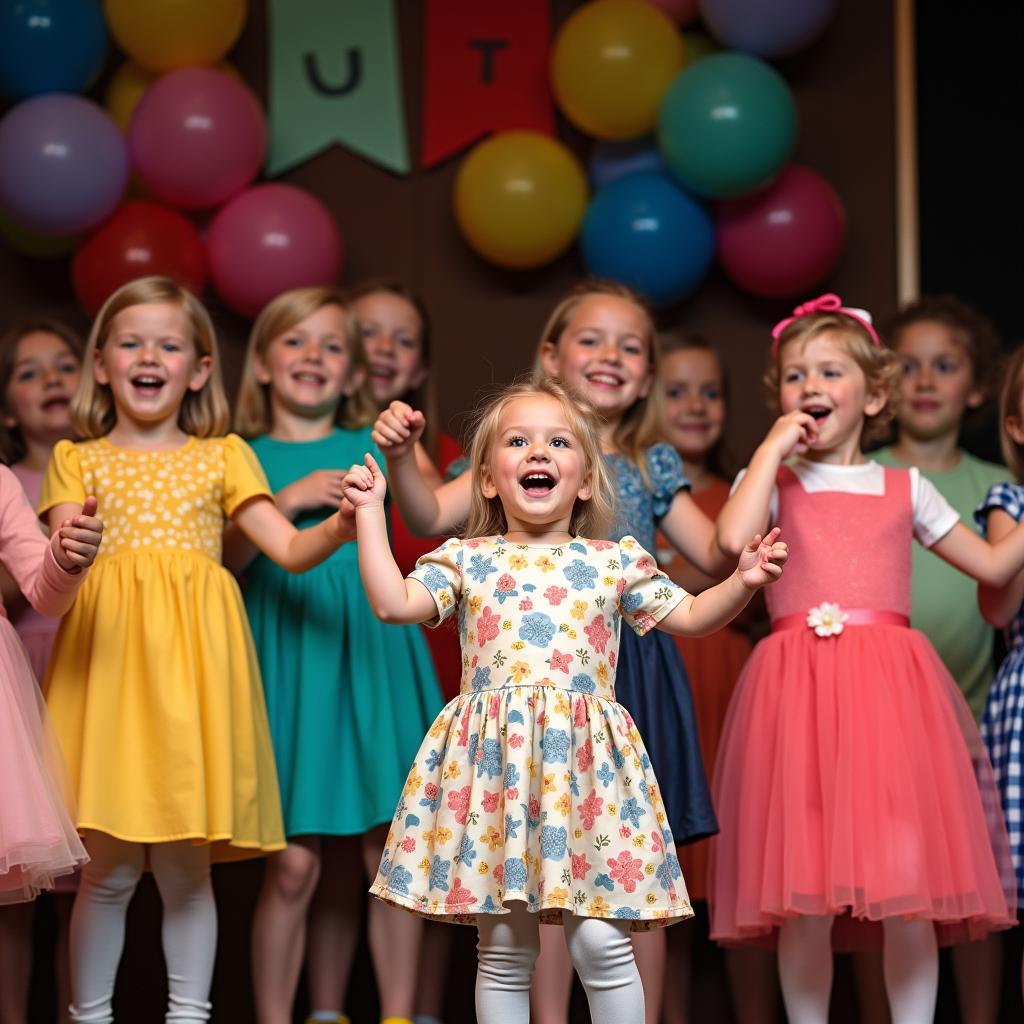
x=828 y=303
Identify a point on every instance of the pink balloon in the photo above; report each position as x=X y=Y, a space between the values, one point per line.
x=784 y=240
x=267 y=240
x=682 y=12
x=197 y=137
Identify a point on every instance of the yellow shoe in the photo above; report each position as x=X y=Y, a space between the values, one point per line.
x=340 y=1019
x=396 y=1020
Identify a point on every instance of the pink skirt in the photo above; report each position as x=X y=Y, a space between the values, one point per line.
x=851 y=779
x=38 y=841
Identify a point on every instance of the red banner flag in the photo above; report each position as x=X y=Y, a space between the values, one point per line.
x=485 y=70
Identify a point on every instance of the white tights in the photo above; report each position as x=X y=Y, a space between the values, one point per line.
x=911 y=965
x=189 y=932
x=600 y=951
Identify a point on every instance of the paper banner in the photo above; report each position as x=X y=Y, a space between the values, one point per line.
x=485 y=70
x=335 y=77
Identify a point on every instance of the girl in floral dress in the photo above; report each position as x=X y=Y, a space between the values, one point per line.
x=532 y=796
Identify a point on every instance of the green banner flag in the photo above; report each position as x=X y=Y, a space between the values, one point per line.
x=335 y=76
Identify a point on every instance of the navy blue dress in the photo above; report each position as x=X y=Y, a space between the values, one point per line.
x=651 y=681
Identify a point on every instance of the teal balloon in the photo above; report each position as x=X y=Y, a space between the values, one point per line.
x=727 y=125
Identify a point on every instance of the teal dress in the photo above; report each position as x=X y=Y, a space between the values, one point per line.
x=349 y=698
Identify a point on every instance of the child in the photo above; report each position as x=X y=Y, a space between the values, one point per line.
x=40 y=363
x=305 y=397
x=532 y=795
x=948 y=353
x=844 y=782
x=694 y=386
x=600 y=342
x=153 y=683
x=999 y=514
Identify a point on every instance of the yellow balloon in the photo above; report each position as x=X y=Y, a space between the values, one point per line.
x=520 y=198
x=161 y=35
x=611 y=64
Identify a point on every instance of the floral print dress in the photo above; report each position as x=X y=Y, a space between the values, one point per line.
x=533 y=784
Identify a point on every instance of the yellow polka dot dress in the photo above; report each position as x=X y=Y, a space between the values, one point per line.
x=153 y=685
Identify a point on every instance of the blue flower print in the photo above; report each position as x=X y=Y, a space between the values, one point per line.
x=667 y=871
x=646 y=762
x=411 y=820
x=627 y=914
x=480 y=568
x=481 y=678
x=489 y=906
x=574 y=786
x=618 y=758
x=467 y=851
x=577 y=546
x=512 y=827
x=582 y=682
x=631 y=601
x=399 y=879
x=631 y=811
x=646 y=791
x=439 y=873
x=433 y=579
x=605 y=774
x=515 y=718
x=580 y=575
x=556 y=746
x=434 y=760
x=432 y=805
x=531 y=823
x=385 y=866
x=605 y=881
x=537 y=629
x=515 y=875
x=552 y=842
x=491 y=761
x=511 y=775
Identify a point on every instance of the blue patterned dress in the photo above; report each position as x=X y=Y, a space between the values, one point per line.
x=1002 y=727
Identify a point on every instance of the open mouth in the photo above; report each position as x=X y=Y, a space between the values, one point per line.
x=925 y=405
x=56 y=402
x=388 y=373
x=603 y=379
x=819 y=412
x=537 y=484
x=309 y=377
x=147 y=385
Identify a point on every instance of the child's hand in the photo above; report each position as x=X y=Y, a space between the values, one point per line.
x=365 y=485
x=397 y=429
x=761 y=561
x=79 y=539
x=346 y=521
x=793 y=433
x=320 y=489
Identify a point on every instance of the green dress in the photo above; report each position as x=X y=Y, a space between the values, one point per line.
x=349 y=698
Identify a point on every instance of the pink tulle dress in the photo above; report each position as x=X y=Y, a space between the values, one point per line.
x=38 y=841
x=851 y=777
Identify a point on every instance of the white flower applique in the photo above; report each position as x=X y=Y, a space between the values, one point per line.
x=827 y=619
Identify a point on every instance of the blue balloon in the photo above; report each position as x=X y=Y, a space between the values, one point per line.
x=645 y=231
x=769 y=28
x=50 y=46
x=610 y=161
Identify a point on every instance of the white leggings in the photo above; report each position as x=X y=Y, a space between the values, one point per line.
x=600 y=951
x=182 y=874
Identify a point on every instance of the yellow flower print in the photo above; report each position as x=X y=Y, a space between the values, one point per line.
x=492 y=837
x=483 y=869
x=471 y=637
x=558 y=897
x=439 y=728
x=451 y=770
x=571 y=634
x=548 y=785
x=651 y=898
x=474 y=604
x=602 y=672
x=640 y=841
x=661 y=818
x=545 y=564
x=413 y=782
x=519 y=671
x=578 y=610
x=563 y=805
x=609 y=581
x=648 y=868
x=518 y=645
x=577 y=833
x=444 y=835
x=612 y=809
x=506 y=625
x=531 y=768
x=518 y=562
x=424 y=865
x=598 y=908
x=562 y=706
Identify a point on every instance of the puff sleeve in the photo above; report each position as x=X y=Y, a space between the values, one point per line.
x=440 y=571
x=645 y=594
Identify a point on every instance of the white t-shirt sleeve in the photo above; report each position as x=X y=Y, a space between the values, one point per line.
x=773 y=504
x=934 y=517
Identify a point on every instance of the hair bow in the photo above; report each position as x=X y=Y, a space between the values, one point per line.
x=827 y=303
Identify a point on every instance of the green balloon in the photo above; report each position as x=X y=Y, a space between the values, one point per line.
x=727 y=125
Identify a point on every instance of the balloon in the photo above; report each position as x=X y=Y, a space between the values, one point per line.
x=610 y=161
x=140 y=239
x=165 y=34
x=269 y=239
x=519 y=199
x=682 y=12
x=727 y=125
x=611 y=63
x=197 y=137
x=775 y=29
x=40 y=247
x=648 y=233
x=785 y=240
x=50 y=46
x=63 y=164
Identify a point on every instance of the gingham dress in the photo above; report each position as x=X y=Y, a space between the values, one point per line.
x=1002 y=727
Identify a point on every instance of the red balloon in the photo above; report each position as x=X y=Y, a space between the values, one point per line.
x=139 y=239
x=784 y=240
x=270 y=239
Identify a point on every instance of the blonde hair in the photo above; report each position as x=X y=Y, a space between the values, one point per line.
x=12 y=442
x=642 y=424
x=203 y=413
x=1009 y=405
x=253 y=411
x=591 y=517
x=880 y=365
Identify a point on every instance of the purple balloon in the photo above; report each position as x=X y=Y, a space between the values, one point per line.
x=768 y=28
x=63 y=164
x=610 y=161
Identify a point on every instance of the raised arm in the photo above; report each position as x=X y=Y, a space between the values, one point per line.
x=760 y=563
x=747 y=510
x=993 y=564
x=999 y=605
x=392 y=597
x=693 y=535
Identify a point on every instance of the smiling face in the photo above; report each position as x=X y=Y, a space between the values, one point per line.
x=937 y=387
x=820 y=377
x=310 y=367
x=392 y=333
x=603 y=353
x=694 y=401
x=44 y=377
x=535 y=465
x=149 y=361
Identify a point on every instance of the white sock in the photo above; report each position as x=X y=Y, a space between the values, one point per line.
x=602 y=953
x=507 y=948
x=805 y=968
x=328 y=1016
x=911 y=970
